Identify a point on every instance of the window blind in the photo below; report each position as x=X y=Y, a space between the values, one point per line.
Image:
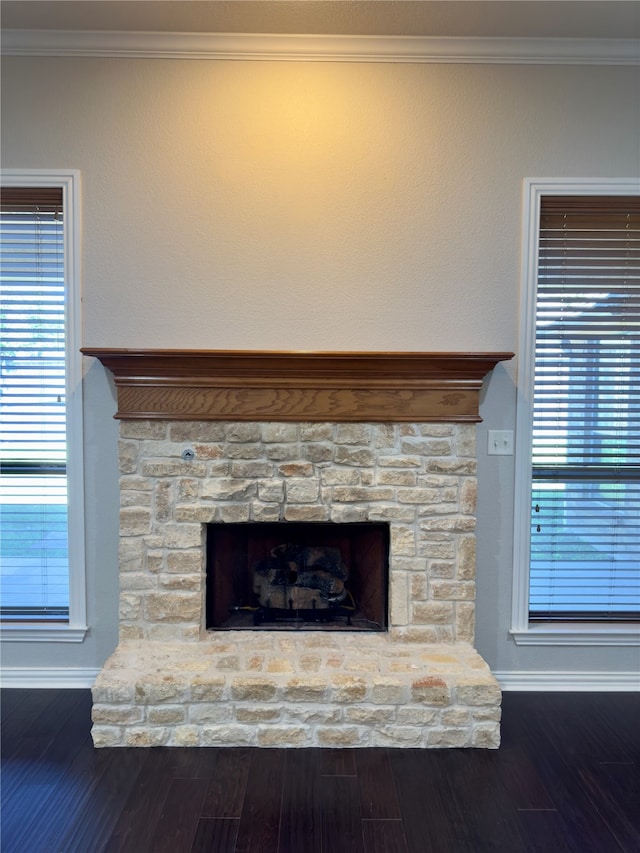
x=33 y=501
x=585 y=520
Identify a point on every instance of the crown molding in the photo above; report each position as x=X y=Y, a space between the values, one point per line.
x=321 y=48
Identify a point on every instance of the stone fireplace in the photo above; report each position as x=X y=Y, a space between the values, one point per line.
x=317 y=445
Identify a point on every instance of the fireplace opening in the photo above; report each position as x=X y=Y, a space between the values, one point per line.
x=297 y=575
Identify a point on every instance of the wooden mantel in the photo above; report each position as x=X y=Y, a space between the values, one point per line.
x=249 y=385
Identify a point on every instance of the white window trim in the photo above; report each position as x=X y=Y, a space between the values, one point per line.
x=553 y=634
x=75 y=629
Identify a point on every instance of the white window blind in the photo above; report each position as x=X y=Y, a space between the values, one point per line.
x=35 y=562
x=585 y=519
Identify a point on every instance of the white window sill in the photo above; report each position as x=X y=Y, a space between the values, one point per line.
x=39 y=633
x=577 y=634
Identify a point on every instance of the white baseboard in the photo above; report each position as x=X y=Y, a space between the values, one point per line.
x=38 y=677
x=588 y=682
x=526 y=680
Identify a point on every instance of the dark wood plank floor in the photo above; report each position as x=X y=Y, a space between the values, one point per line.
x=567 y=778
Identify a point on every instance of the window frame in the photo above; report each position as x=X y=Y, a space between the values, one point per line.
x=73 y=631
x=522 y=630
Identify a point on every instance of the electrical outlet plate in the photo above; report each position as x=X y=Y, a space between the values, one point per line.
x=500 y=442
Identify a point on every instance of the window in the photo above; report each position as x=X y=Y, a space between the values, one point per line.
x=41 y=501
x=577 y=533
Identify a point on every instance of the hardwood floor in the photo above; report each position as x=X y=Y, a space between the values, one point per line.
x=567 y=778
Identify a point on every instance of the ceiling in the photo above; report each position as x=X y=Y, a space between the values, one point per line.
x=580 y=19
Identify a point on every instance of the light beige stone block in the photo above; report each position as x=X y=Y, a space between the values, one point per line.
x=418 y=495
x=130 y=554
x=487 y=737
x=479 y=694
x=352 y=433
x=318 y=453
x=367 y=715
x=387 y=691
x=253 y=689
x=207 y=688
x=403 y=541
x=128 y=453
x=389 y=477
x=130 y=607
x=306 y=512
x=186 y=562
x=143 y=429
x=349 y=513
x=135 y=521
x=348 y=688
x=107 y=736
x=305 y=689
x=432 y=612
x=469 y=496
x=300 y=490
x=188 y=583
x=342 y=736
x=154 y=561
x=186 y=735
x=201 y=514
x=235 y=514
x=173 y=607
x=181 y=536
x=208 y=712
x=310 y=662
x=146 y=736
x=456 y=717
x=412 y=715
x=228 y=735
x=395 y=736
x=451 y=737
x=229 y=489
x=465 y=622
x=271 y=490
x=399 y=599
x=453 y=590
x=165 y=689
x=130 y=632
x=467 y=558
x=172 y=468
x=399 y=461
x=257 y=714
x=452 y=466
x=140 y=581
x=313 y=715
x=360 y=494
x=115 y=715
x=197 y=431
x=283 y=736
x=166 y=716
x=362 y=457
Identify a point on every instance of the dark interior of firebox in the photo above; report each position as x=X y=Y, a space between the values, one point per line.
x=297 y=575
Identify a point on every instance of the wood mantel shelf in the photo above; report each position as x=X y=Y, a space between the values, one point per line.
x=251 y=385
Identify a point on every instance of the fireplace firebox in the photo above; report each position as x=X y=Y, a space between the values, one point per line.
x=297 y=575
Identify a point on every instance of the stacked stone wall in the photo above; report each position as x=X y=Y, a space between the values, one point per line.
x=419 y=684
x=418 y=477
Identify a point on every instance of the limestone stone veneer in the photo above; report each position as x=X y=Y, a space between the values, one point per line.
x=421 y=683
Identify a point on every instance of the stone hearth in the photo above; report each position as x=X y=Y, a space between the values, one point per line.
x=172 y=682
